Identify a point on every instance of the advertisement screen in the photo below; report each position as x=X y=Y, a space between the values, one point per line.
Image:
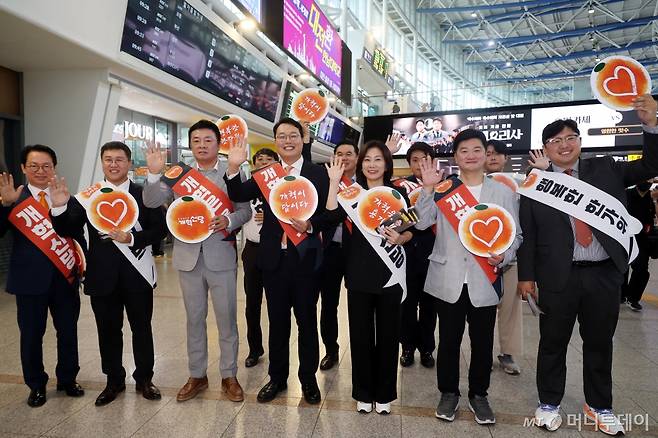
x=309 y=36
x=174 y=37
x=512 y=127
x=599 y=125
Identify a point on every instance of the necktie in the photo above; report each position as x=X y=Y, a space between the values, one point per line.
x=288 y=169
x=42 y=200
x=583 y=231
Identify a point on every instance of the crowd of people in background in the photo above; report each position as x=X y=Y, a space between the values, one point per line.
x=571 y=269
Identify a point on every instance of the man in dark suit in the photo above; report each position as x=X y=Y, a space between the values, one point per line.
x=579 y=270
x=289 y=272
x=333 y=267
x=419 y=308
x=112 y=281
x=39 y=285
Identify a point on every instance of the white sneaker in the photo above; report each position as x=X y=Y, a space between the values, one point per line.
x=605 y=420
x=383 y=408
x=548 y=416
x=366 y=408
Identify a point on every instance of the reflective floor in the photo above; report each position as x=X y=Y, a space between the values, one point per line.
x=513 y=398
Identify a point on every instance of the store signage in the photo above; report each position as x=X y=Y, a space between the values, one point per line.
x=309 y=36
x=136 y=131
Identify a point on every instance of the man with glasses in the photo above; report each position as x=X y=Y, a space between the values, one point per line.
x=579 y=270
x=290 y=273
x=120 y=275
x=38 y=284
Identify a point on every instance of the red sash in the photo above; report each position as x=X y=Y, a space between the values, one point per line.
x=32 y=220
x=192 y=182
x=454 y=201
x=266 y=178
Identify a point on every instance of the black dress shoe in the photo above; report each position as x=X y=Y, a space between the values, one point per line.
x=149 y=390
x=407 y=358
x=72 y=389
x=427 y=360
x=37 y=397
x=109 y=394
x=270 y=390
x=328 y=361
x=251 y=361
x=311 y=393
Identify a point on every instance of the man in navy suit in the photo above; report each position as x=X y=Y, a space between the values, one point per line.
x=290 y=274
x=39 y=285
x=120 y=274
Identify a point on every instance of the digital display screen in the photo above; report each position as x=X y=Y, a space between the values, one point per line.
x=380 y=62
x=178 y=39
x=512 y=127
x=309 y=36
x=519 y=127
x=599 y=125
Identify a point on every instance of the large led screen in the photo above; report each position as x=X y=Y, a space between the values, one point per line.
x=175 y=37
x=309 y=36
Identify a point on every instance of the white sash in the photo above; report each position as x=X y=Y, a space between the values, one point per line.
x=142 y=260
x=583 y=201
x=393 y=256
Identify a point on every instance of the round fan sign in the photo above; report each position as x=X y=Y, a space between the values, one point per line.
x=505 y=179
x=231 y=127
x=111 y=208
x=377 y=205
x=617 y=80
x=487 y=228
x=189 y=219
x=311 y=105
x=173 y=172
x=293 y=197
x=414 y=194
x=529 y=180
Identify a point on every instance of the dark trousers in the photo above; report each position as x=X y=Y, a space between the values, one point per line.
x=452 y=321
x=591 y=295
x=108 y=310
x=418 y=313
x=63 y=300
x=374 y=336
x=333 y=269
x=633 y=288
x=253 y=289
x=288 y=287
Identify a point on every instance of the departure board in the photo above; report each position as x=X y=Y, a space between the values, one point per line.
x=175 y=37
x=380 y=62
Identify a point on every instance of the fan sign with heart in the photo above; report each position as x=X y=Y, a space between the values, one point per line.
x=377 y=205
x=311 y=105
x=111 y=208
x=487 y=228
x=617 y=80
x=231 y=127
x=293 y=197
x=189 y=219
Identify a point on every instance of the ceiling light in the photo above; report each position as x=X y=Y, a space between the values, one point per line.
x=247 y=25
x=591 y=10
x=508 y=64
x=304 y=77
x=491 y=43
x=516 y=158
x=331 y=99
x=597 y=59
x=473 y=14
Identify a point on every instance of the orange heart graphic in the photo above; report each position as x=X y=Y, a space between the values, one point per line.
x=486 y=232
x=621 y=86
x=109 y=211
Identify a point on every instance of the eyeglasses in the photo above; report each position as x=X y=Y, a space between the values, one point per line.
x=291 y=137
x=558 y=141
x=118 y=161
x=33 y=167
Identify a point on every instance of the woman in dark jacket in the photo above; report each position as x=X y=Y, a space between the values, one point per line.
x=374 y=310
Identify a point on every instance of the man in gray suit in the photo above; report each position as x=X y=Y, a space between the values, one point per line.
x=465 y=291
x=208 y=266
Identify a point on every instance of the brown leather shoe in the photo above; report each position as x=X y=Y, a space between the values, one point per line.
x=232 y=389
x=192 y=388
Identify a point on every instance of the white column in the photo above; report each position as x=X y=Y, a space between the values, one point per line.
x=343 y=20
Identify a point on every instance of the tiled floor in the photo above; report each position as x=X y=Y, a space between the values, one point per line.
x=513 y=397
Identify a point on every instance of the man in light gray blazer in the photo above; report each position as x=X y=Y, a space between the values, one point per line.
x=464 y=291
x=208 y=266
